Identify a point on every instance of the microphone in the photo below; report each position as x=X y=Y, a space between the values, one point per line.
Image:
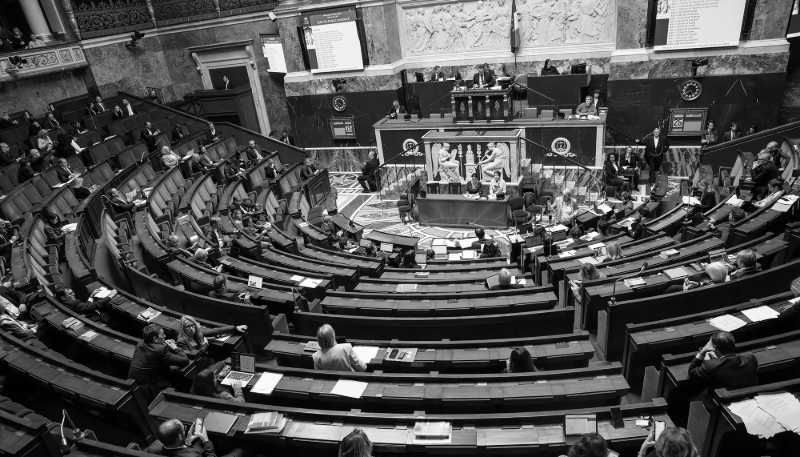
x=613 y=300
x=76 y=433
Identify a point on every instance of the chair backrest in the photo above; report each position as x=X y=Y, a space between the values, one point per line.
x=516 y=203
x=5 y=184
x=530 y=198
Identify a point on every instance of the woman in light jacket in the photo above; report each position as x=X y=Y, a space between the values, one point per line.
x=335 y=357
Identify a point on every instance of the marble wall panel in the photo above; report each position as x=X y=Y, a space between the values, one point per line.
x=116 y=67
x=352 y=84
x=393 y=32
x=734 y=64
x=770 y=19
x=35 y=93
x=375 y=31
x=598 y=66
x=631 y=24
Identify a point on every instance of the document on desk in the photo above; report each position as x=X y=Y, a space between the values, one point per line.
x=756 y=420
x=453 y=256
x=734 y=201
x=589 y=260
x=567 y=254
x=366 y=353
x=727 y=323
x=466 y=243
x=760 y=313
x=348 y=388
x=266 y=383
x=310 y=282
x=69 y=227
x=687 y=200
x=784 y=407
x=604 y=208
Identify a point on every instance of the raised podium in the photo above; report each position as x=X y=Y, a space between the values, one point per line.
x=481 y=105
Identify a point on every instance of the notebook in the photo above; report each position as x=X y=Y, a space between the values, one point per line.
x=219 y=422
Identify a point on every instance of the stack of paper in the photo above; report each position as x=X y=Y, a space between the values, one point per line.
x=349 y=388
x=266 y=423
x=366 y=353
x=633 y=283
x=627 y=222
x=761 y=313
x=604 y=208
x=590 y=260
x=453 y=256
x=468 y=255
x=312 y=346
x=556 y=228
x=668 y=253
x=310 y=282
x=89 y=335
x=784 y=203
x=567 y=253
x=433 y=432
x=784 y=407
x=149 y=314
x=266 y=383
x=756 y=420
x=690 y=200
x=676 y=273
x=727 y=323
x=69 y=227
x=406 y=288
x=734 y=201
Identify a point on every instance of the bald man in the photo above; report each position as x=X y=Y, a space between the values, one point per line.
x=505 y=281
x=173 y=442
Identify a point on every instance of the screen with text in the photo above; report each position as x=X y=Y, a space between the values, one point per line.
x=691 y=24
x=331 y=40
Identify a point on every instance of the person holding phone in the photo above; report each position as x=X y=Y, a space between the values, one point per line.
x=667 y=442
x=173 y=441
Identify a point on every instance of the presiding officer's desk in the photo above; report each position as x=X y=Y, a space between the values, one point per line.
x=646 y=342
x=569 y=350
x=312 y=432
x=447 y=210
x=444 y=393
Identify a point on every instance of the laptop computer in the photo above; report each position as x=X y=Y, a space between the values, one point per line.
x=440 y=252
x=243 y=367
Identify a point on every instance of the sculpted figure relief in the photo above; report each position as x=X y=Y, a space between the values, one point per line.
x=486 y=24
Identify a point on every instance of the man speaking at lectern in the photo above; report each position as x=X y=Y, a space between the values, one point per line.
x=483 y=78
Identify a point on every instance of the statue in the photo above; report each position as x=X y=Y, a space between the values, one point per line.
x=496 y=160
x=447 y=163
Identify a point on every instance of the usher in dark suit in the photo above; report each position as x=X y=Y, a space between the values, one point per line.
x=654 y=155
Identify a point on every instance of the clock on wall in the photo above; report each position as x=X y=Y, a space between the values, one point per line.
x=691 y=90
x=339 y=103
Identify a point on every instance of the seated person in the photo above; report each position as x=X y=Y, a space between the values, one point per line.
x=520 y=361
x=430 y=254
x=80 y=192
x=94 y=309
x=504 y=281
x=631 y=160
x=15 y=300
x=153 y=357
x=53 y=232
x=355 y=444
x=602 y=227
x=20 y=330
x=587 y=272
x=245 y=207
x=791 y=312
x=253 y=152
x=200 y=257
x=76 y=129
x=717 y=271
x=480 y=233
x=366 y=179
x=233 y=170
x=64 y=171
x=497 y=187
x=490 y=250
x=330 y=229
x=8 y=236
x=612 y=170
x=335 y=357
x=636 y=230
x=774 y=192
x=369 y=250
x=169 y=158
x=216 y=235
x=614 y=252
x=38 y=161
x=270 y=172
x=673 y=442
x=201 y=162
x=587 y=107
x=764 y=172
x=205 y=385
x=746 y=264
x=120 y=202
x=308 y=169
x=173 y=442
x=221 y=292
x=718 y=366
x=173 y=243
x=575 y=232
x=590 y=445
x=410 y=260
x=344 y=245
x=721 y=230
x=474 y=185
x=396 y=110
x=192 y=337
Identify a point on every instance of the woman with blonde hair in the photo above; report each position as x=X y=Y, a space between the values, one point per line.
x=614 y=251
x=169 y=158
x=355 y=444
x=44 y=143
x=192 y=336
x=565 y=208
x=673 y=442
x=335 y=357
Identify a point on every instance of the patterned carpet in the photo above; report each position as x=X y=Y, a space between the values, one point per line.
x=376 y=214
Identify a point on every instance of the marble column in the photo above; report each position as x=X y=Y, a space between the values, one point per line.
x=36 y=21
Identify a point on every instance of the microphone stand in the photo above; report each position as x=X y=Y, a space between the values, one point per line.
x=76 y=433
x=613 y=300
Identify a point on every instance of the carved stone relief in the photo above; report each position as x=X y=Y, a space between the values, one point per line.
x=483 y=25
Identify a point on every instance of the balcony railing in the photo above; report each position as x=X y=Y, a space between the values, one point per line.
x=41 y=61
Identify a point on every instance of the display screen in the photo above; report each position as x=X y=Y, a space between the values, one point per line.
x=343 y=129
x=687 y=122
x=691 y=24
x=331 y=40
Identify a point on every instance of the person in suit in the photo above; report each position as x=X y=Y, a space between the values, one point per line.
x=396 y=110
x=127 y=108
x=308 y=169
x=716 y=271
x=37 y=161
x=774 y=192
x=548 y=69
x=93 y=308
x=201 y=162
x=80 y=192
x=64 y=171
x=99 y=104
x=50 y=123
x=410 y=260
x=34 y=127
x=483 y=77
x=91 y=109
x=6 y=121
x=216 y=236
x=654 y=149
x=480 y=233
x=25 y=172
x=598 y=102
x=76 y=129
x=253 y=152
x=438 y=74
x=335 y=357
x=722 y=229
x=5 y=157
x=733 y=133
x=367 y=171
x=20 y=330
x=269 y=171
x=791 y=313
x=746 y=264
x=612 y=169
x=117 y=114
x=174 y=442
x=119 y=201
x=226 y=83
x=764 y=172
x=707 y=198
x=177 y=133
x=718 y=366
x=221 y=291
x=153 y=357
x=504 y=281
x=632 y=160
x=286 y=138
x=67 y=146
x=149 y=135
x=587 y=107
x=330 y=229
x=200 y=258
x=490 y=249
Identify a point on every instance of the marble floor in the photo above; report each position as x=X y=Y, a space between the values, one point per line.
x=373 y=213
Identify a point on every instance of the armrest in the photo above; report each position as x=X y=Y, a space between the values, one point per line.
x=279 y=324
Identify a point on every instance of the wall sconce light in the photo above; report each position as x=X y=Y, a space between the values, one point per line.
x=253 y=64
x=199 y=70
